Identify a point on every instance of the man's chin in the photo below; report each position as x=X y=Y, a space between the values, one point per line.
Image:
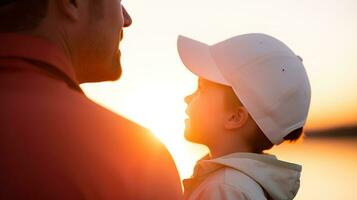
x=117 y=73
x=100 y=76
x=116 y=70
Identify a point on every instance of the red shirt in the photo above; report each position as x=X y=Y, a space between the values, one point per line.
x=55 y=143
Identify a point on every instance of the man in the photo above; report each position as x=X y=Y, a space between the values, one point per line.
x=55 y=143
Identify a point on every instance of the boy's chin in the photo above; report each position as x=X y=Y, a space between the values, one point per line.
x=191 y=137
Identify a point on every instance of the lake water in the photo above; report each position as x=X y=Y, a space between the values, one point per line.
x=329 y=167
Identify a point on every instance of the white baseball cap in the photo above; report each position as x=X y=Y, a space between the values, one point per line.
x=267 y=76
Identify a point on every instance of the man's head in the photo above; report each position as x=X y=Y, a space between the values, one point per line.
x=89 y=31
x=263 y=81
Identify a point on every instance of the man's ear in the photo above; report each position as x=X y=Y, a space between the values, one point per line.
x=236 y=118
x=69 y=8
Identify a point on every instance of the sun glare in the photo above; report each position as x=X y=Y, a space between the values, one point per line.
x=162 y=113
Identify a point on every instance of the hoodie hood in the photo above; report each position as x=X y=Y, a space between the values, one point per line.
x=281 y=180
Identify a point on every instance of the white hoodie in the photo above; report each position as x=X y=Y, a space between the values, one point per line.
x=243 y=176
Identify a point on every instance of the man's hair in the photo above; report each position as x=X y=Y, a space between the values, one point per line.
x=22 y=15
x=263 y=143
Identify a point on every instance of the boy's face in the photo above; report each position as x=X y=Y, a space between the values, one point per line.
x=206 y=112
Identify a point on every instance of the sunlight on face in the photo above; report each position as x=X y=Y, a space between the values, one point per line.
x=205 y=110
x=158 y=108
x=169 y=128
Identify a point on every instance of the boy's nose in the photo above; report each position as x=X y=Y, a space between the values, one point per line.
x=188 y=99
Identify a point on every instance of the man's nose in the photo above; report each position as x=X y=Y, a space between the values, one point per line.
x=127 y=18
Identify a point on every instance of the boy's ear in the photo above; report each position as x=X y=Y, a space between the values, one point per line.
x=236 y=118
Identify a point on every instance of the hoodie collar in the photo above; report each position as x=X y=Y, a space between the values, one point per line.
x=280 y=179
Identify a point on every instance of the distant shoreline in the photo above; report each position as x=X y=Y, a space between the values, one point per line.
x=341 y=132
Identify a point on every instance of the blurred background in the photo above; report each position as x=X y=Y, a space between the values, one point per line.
x=322 y=32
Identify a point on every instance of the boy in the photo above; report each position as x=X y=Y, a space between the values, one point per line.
x=253 y=93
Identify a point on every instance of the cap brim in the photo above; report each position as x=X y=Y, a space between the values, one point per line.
x=196 y=56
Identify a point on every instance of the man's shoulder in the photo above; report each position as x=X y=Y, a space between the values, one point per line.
x=78 y=106
x=144 y=160
x=92 y=145
x=98 y=119
x=91 y=108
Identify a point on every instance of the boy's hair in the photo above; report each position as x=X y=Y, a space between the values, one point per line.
x=261 y=143
x=294 y=135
